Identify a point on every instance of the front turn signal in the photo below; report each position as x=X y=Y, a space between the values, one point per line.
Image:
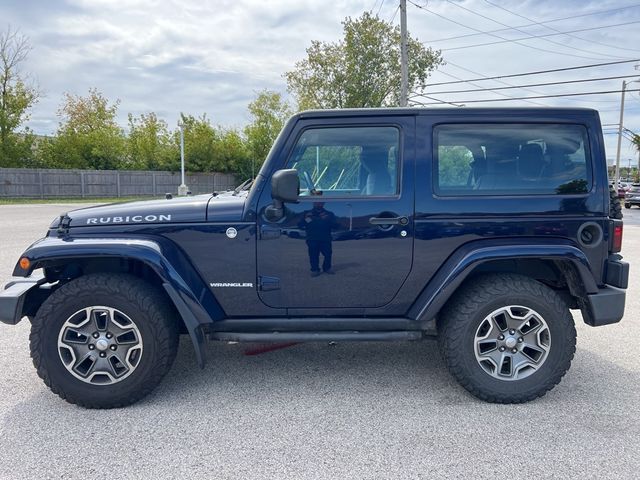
x=24 y=263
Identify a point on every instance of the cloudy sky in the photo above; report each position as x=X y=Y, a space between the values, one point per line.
x=205 y=56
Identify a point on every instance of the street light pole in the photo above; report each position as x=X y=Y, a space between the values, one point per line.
x=182 y=189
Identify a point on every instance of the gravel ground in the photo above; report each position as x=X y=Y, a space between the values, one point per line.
x=361 y=410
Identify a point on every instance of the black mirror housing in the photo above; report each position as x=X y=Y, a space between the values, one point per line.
x=285 y=186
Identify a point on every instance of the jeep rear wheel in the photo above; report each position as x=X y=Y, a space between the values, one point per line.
x=104 y=340
x=507 y=338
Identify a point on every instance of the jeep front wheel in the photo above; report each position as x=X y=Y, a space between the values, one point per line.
x=507 y=338
x=104 y=340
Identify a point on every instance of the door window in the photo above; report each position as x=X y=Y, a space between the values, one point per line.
x=347 y=161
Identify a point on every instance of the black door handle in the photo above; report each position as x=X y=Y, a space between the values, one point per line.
x=389 y=221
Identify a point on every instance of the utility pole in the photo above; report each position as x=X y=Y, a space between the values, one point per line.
x=404 y=60
x=621 y=126
x=617 y=179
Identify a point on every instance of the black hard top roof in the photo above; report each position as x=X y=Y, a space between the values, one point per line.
x=533 y=111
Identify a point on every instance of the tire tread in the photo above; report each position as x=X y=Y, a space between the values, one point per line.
x=469 y=300
x=159 y=311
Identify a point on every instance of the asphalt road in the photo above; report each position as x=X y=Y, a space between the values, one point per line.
x=360 y=410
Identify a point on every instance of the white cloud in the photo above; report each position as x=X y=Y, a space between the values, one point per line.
x=211 y=56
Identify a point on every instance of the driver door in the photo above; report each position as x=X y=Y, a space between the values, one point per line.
x=348 y=242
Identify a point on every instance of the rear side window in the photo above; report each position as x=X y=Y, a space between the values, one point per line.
x=513 y=159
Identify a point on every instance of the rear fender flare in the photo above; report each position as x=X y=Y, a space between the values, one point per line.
x=464 y=260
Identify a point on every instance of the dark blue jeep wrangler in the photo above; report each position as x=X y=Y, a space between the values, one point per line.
x=481 y=226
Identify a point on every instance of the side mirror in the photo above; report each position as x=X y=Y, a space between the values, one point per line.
x=285 y=187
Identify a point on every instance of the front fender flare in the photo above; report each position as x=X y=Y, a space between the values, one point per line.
x=184 y=286
x=464 y=260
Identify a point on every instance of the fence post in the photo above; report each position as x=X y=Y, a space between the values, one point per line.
x=118 y=183
x=82 y=183
x=153 y=182
x=40 y=182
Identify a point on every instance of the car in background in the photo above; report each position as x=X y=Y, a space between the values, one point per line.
x=632 y=196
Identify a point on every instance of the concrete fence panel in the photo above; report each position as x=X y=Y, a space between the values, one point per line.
x=51 y=183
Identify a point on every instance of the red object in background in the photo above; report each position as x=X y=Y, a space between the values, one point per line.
x=268 y=348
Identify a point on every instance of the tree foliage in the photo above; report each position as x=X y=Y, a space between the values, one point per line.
x=360 y=70
x=16 y=98
x=150 y=144
x=88 y=135
x=209 y=148
x=268 y=112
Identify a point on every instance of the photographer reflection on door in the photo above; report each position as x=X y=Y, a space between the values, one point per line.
x=318 y=223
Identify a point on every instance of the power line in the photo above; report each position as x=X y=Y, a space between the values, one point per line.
x=524 y=32
x=503 y=39
x=380 y=8
x=395 y=12
x=599 y=12
x=499 y=93
x=564 y=82
x=542 y=96
x=556 y=30
x=442 y=101
x=544 y=35
x=531 y=90
x=538 y=72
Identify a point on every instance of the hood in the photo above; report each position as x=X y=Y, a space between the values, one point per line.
x=226 y=207
x=175 y=210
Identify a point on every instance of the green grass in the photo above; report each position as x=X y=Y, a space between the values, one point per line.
x=18 y=201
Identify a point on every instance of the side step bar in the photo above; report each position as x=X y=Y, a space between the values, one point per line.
x=317 y=336
x=316 y=324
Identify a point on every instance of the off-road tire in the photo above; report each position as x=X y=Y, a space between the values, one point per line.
x=627 y=206
x=615 y=205
x=482 y=295
x=143 y=303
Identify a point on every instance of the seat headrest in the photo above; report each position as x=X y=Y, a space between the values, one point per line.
x=530 y=161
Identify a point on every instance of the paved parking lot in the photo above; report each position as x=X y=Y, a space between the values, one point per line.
x=361 y=410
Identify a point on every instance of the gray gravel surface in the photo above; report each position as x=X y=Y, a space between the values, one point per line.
x=361 y=410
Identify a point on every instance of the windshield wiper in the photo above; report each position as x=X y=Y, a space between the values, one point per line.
x=243 y=186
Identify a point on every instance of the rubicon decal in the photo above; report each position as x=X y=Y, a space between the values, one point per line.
x=129 y=219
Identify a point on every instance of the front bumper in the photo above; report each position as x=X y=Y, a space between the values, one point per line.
x=13 y=296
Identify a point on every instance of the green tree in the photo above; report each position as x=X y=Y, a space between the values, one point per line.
x=360 y=70
x=268 y=112
x=16 y=98
x=233 y=151
x=150 y=146
x=454 y=166
x=88 y=135
x=636 y=143
x=200 y=144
